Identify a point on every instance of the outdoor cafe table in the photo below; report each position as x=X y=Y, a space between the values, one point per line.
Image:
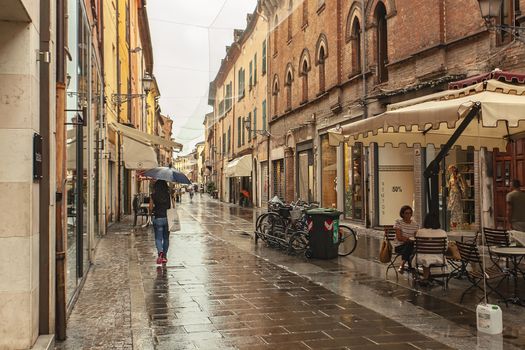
x=515 y=255
x=461 y=235
x=518 y=237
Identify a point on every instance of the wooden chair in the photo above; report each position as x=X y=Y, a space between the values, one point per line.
x=470 y=255
x=390 y=236
x=496 y=238
x=434 y=246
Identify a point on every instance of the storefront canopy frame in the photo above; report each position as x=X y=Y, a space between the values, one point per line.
x=433 y=119
x=145 y=138
x=241 y=166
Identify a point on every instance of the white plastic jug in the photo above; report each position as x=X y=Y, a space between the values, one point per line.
x=490 y=318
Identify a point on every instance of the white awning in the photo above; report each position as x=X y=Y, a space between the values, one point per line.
x=433 y=119
x=145 y=138
x=137 y=155
x=241 y=166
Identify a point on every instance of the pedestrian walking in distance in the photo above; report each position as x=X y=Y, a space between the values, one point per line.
x=515 y=207
x=161 y=203
x=190 y=191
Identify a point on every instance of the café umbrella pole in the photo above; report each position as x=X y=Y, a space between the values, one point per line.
x=489 y=317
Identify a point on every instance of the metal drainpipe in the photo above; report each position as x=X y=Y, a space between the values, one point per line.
x=60 y=297
x=365 y=116
x=45 y=184
x=119 y=175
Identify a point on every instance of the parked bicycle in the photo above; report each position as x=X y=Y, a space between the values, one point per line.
x=285 y=226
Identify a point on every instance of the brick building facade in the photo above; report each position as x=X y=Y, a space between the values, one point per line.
x=333 y=62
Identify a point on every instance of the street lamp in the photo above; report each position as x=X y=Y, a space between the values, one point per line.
x=147 y=82
x=248 y=126
x=490 y=11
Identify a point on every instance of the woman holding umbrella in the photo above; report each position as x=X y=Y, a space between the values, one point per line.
x=161 y=202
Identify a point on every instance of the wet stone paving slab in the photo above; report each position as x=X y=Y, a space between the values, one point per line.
x=220 y=291
x=212 y=295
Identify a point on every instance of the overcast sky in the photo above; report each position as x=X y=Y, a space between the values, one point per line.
x=189 y=40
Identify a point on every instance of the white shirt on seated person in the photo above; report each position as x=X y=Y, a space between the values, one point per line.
x=430 y=259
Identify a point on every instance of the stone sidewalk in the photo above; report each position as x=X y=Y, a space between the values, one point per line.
x=101 y=318
x=219 y=291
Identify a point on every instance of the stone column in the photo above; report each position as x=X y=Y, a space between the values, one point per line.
x=289 y=166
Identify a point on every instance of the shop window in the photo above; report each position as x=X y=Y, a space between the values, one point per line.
x=305 y=175
x=278 y=178
x=353 y=182
x=457 y=200
x=328 y=173
x=264 y=182
x=395 y=169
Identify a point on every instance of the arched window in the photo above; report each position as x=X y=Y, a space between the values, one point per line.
x=290 y=11
x=275 y=93
x=304 y=73
x=288 y=83
x=322 y=57
x=381 y=43
x=356 y=45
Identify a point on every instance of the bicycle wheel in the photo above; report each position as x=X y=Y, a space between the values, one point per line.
x=271 y=226
x=298 y=242
x=347 y=240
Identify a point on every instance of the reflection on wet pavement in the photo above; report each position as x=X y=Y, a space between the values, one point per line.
x=221 y=291
x=212 y=295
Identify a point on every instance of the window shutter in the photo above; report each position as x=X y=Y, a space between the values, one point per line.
x=264 y=115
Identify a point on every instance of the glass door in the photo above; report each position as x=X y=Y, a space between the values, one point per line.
x=305 y=175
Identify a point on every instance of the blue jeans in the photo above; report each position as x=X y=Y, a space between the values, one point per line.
x=162 y=235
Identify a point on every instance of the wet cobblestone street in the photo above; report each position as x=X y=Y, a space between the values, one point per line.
x=219 y=291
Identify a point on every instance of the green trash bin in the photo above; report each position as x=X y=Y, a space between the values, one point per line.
x=323 y=228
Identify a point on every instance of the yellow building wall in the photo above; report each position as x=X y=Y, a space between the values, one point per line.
x=123 y=47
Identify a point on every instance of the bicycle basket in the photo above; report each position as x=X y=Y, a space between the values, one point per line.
x=295 y=214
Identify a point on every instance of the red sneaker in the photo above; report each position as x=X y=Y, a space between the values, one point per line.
x=164 y=259
x=160 y=258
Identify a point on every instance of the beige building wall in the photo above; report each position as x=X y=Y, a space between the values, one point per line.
x=19 y=120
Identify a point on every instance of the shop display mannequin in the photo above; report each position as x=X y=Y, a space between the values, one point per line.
x=456 y=190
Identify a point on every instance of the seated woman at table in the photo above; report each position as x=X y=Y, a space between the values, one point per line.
x=431 y=228
x=405 y=230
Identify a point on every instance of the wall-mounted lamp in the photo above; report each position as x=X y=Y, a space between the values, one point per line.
x=490 y=11
x=248 y=126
